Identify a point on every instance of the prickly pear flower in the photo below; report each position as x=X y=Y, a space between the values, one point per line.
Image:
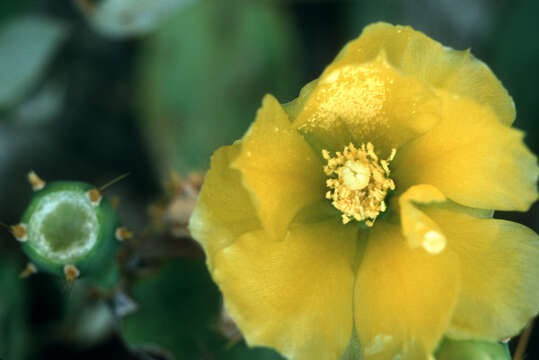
x=362 y=210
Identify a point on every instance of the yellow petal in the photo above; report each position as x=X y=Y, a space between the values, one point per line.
x=472 y=158
x=294 y=107
x=500 y=275
x=279 y=168
x=364 y=102
x=293 y=295
x=403 y=296
x=441 y=67
x=418 y=228
x=224 y=210
x=455 y=207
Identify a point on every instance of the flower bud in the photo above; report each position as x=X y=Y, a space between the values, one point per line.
x=69 y=230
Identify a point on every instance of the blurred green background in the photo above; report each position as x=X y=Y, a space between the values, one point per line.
x=92 y=89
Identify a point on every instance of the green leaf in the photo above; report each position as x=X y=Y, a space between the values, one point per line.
x=41 y=107
x=515 y=59
x=176 y=307
x=14 y=334
x=10 y=8
x=178 y=312
x=27 y=45
x=204 y=73
x=125 y=18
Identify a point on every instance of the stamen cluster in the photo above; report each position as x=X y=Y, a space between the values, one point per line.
x=359 y=182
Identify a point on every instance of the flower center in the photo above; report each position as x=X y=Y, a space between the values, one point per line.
x=358 y=182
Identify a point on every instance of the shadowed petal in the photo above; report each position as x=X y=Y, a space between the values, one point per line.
x=279 y=168
x=224 y=209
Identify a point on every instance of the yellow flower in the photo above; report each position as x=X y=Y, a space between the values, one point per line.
x=364 y=207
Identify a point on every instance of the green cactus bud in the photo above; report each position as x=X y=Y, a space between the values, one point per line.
x=69 y=229
x=472 y=350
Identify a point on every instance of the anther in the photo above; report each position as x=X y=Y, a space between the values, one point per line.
x=123 y=234
x=19 y=231
x=94 y=196
x=35 y=181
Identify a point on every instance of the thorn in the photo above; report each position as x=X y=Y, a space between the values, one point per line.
x=28 y=271
x=123 y=234
x=94 y=196
x=87 y=6
x=114 y=181
x=19 y=231
x=36 y=182
x=72 y=274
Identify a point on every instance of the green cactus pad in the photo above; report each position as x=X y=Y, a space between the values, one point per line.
x=65 y=228
x=472 y=350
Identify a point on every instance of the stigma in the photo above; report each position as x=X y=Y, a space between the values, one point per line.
x=358 y=182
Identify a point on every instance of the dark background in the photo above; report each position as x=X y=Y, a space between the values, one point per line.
x=107 y=95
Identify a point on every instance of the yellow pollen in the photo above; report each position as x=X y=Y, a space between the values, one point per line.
x=358 y=182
